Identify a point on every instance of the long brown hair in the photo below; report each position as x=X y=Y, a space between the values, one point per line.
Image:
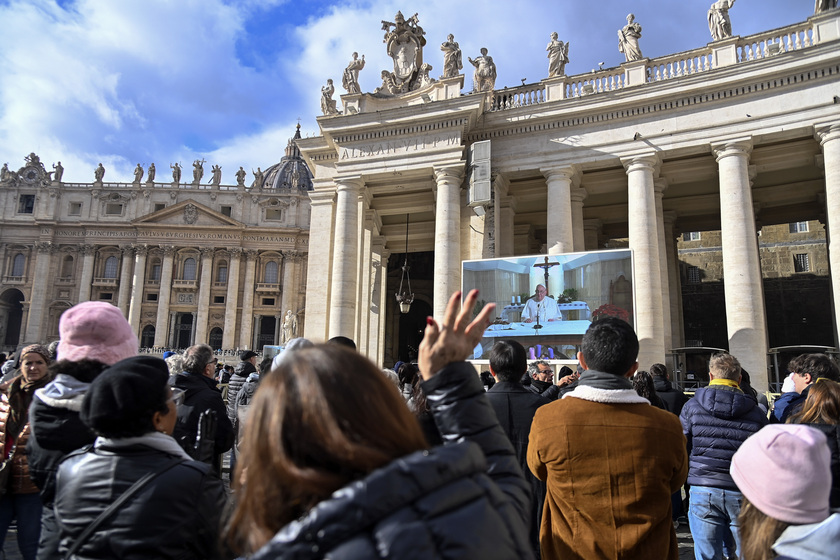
x=822 y=405
x=321 y=420
x=758 y=532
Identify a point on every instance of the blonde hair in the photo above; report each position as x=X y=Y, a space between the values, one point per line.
x=725 y=366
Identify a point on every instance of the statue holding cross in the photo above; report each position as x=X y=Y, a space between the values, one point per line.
x=541 y=308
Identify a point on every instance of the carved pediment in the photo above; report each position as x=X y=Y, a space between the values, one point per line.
x=187 y=213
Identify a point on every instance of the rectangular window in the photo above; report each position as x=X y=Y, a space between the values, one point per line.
x=268 y=301
x=226 y=211
x=274 y=215
x=801 y=263
x=107 y=296
x=691 y=236
x=218 y=299
x=26 y=204
x=75 y=209
x=155 y=274
x=151 y=297
x=114 y=209
x=693 y=275
x=159 y=206
x=799 y=227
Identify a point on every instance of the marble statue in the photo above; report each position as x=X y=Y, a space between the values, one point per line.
x=423 y=78
x=150 y=177
x=240 y=176
x=350 y=79
x=216 y=175
x=824 y=5
x=451 y=57
x=4 y=173
x=327 y=101
x=289 y=326
x=484 y=77
x=58 y=173
x=558 y=56
x=259 y=177
x=198 y=171
x=99 y=173
x=719 y=25
x=138 y=173
x=404 y=44
x=176 y=172
x=389 y=85
x=628 y=39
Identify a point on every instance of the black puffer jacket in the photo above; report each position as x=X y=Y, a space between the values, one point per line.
x=467 y=499
x=716 y=422
x=176 y=515
x=240 y=375
x=201 y=394
x=832 y=432
x=672 y=398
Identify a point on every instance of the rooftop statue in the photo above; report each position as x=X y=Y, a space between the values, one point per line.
x=216 y=176
x=5 y=174
x=138 y=173
x=824 y=5
x=350 y=79
x=176 y=173
x=719 y=25
x=451 y=57
x=240 y=176
x=259 y=178
x=327 y=101
x=404 y=43
x=98 y=173
x=198 y=171
x=558 y=56
x=484 y=77
x=58 y=173
x=150 y=178
x=628 y=39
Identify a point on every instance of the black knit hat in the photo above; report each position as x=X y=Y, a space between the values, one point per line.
x=125 y=396
x=247 y=354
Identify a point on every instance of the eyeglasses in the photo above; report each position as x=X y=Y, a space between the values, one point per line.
x=178 y=396
x=548 y=371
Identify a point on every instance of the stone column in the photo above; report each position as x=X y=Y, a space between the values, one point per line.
x=642 y=226
x=504 y=210
x=319 y=265
x=231 y=299
x=829 y=138
x=342 y=306
x=742 y=283
x=578 y=195
x=138 y=281
x=278 y=326
x=161 y=326
x=248 y=299
x=659 y=188
x=200 y=324
x=171 y=335
x=383 y=304
x=447 y=275
x=89 y=254
x=125 y=279
x=40 y=283
x=255 y=341
x=559 y=236
x=192 y=330
x=377 y=289
x=367 y=301
x=290 y=260
x=675 y=301
x=591 y=233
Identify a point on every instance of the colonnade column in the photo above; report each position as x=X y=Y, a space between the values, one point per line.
x=138 y=280
x=125 y=279
x=287 y=301
x=742 y=283
x=161 y=325
x=447 y=275
x=559 y=237
x=200 y=325
x=675 y=301
x=39 y=292
x=377 y=309
x=248 y=299
x=578 y=195
x=367 y=303
x=659 y=188
x=504 y=210
x=231 y=299
x=829 y=137
x=343 y=289
x=319 y=261
x=644 y=241
x=591 y=234
x=89 y=254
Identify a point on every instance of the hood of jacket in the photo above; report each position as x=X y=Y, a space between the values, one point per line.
x=64 y=391
x=726 y=403
x=242 y=369
x=192 y=384
x=662 y=385
x=810 y=542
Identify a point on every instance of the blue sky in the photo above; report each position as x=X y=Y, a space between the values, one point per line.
x=138 y=81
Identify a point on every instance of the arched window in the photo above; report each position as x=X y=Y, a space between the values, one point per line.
x=110 y=267
x=67 y=267
x=222 y=272
x=270 y=272
x=189 y=269
x=147 y=338
x=18 y=264
x=154 y=271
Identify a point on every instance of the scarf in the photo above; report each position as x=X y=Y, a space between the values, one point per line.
x=602 y=380
x=155 y=440
x=20 y=397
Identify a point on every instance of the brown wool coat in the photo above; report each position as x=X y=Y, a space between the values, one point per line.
x=19 y=481
x=610 y=469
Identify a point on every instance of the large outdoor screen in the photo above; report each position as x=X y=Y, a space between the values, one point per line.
x=548 y=302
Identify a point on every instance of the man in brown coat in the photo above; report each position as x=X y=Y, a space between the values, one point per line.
x=610 y=460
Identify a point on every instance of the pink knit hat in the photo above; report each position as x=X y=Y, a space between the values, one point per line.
x=785 y=471
x=95 y=330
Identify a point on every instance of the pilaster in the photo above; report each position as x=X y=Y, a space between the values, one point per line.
x=231 y=298
x=162 y=337
x=125 y=279
x=246 y=327
x=201 y=318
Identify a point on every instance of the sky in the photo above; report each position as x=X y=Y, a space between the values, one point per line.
x=138 y=81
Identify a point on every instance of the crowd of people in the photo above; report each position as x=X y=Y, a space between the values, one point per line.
x=111 y=454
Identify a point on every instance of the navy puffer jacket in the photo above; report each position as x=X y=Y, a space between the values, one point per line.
x=715 y=423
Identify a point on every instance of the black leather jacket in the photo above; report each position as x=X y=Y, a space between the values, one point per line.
x=466 y=499
x=176 y=515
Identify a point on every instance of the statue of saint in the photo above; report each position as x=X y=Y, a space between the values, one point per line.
x=327 y=102
x=176 y=173
x=198 y=171
x=484 y=77
x=719 y=24
x=150 y=178
x=58 y=173
x=4 y=173
x=628 y=39
x=259 y=177
x=350 y=79
x=558 y=56
x=404 y=44
x=138 y=173
x=289 y=326
x=451 y=57
x=99 y=173
x=216 y=176
x=240 y=176
x=824 y=5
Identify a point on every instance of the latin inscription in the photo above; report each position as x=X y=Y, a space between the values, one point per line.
x=398 y=147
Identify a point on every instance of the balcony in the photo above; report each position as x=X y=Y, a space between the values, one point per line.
x=264 y=288
x=185 y=284
x=105 y=282
x=14 y=280
x=66 y=281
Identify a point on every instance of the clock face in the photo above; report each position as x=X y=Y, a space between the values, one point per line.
x=31 y=175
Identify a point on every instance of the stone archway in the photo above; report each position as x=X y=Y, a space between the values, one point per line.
x=11 y=318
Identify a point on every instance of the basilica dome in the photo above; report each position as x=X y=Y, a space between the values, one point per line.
x=291 y=173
